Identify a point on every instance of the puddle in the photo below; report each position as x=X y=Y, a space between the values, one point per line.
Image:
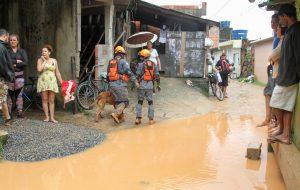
x=204 y=152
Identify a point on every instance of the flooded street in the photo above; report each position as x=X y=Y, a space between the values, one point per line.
x=190 y=153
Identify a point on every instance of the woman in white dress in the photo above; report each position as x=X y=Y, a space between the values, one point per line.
x=154 y=57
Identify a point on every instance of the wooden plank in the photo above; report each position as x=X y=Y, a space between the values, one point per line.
x=182 y=53
x=288 y=159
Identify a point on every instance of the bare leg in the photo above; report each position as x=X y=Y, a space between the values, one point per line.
x=268 y=112
x=225 y=91
x=45 y=100
x=279 y=115
x=5 y=111
x=52 y=106
x=285 y=137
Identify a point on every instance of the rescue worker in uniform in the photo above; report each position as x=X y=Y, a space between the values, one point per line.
x=147 y=72
x=119 y=74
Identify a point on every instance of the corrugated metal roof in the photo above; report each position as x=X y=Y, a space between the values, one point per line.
x=262 y=40
x=274 y=4
x=171 y=12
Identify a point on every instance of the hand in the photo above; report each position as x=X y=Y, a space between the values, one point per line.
x=43 y=58
x=158 y=88
x=14 y=65
x=137 y=85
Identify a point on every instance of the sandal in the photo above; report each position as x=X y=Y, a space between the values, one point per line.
x=138 y=121
x=54 y=121
x=275 y=132
x=8 y=122
x=283 y=140
x=271 y=140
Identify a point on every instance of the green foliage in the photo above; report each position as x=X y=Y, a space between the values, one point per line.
x=298 y=8
x=258 y=83
x=1 y=151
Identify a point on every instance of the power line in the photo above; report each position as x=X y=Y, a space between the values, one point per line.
x=222 y=7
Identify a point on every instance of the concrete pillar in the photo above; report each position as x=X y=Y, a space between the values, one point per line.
x=296 y=120
x=104 y=53
x=109 y=16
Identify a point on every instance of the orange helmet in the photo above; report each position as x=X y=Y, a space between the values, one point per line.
x=120 y=49
x=145 y=53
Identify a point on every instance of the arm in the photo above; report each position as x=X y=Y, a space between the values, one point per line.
x=296 y=53
x=57 y=73
x=275 y=55
x=139 y=71
x=25 y=60
x=158 y=62
x=156 y=72
x=40 y=66
x=6 y=67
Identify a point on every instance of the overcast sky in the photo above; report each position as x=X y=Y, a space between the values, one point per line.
x=241 y=13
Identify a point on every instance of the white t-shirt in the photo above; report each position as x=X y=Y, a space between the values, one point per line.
x=153 y=56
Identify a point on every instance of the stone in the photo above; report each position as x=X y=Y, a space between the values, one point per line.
x=3 y=137
x=254 y=150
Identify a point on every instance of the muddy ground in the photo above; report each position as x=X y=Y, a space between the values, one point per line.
x=176 y=100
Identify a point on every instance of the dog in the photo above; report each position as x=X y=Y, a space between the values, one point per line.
x=103 y=99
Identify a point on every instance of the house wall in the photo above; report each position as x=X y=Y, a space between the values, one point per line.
x=296 y=124
x=261 y=52
x=213 y=34
x=46 y=22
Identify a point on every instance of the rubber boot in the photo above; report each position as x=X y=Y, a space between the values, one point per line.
x=115 y=117
x=151 y=121
x=138 y=121
x=121 y=118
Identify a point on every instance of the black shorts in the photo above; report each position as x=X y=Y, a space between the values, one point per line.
x=224 y=76
x=268 y=90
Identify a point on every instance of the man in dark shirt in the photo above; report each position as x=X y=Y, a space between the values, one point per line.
x=285 y=92
x=6 y=74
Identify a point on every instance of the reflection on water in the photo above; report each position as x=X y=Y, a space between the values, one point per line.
x=204 y=152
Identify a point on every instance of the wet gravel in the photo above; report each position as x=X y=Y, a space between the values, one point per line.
x=32 y=140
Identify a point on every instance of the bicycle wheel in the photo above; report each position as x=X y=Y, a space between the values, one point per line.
x=213 y=88
x=86 y=95
x=219 y=93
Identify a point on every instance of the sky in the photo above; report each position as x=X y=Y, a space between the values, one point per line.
x=241 y=13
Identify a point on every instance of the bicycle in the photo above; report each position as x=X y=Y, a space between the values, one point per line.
x=87 y=91
x=215 y=87
x=30 y=95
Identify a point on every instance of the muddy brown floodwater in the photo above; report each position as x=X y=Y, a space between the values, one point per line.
x=187 y=152
x=203 y=152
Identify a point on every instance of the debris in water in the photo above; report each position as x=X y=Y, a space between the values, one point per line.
x=189 y=83
x=254 y=150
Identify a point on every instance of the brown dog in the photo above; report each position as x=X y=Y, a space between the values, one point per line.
x=103 y=99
